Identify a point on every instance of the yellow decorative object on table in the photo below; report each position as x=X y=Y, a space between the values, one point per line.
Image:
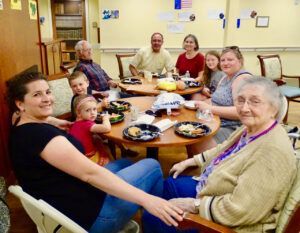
x=166 y=85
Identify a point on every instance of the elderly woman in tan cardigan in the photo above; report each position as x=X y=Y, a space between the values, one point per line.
x=244 y=181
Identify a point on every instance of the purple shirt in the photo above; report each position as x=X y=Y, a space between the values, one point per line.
x=96 y=75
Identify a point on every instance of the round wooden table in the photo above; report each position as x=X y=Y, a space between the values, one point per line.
x=168 y=137
x=149 y=88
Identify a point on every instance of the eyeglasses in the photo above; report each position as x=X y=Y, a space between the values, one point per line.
x=87 y=49
x=234 y=47
x=250 y=102
x=157 y=113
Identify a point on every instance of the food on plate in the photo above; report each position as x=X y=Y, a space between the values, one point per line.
x=119 y=105
x=134 y=131
x=114 y=115
x=190 y=129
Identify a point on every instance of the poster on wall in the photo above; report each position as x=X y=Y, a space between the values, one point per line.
x=15 y=5
x=32 y=9
x=110 y=14
x=175 y=27
x=1 y=4
x=186 y=16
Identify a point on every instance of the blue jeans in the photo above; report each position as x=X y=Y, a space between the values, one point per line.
x=115 y=213
x=182 y=186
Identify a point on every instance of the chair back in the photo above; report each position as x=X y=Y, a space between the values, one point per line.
x=62 y=95
x=283 y=110
x=68 y=68
x=270 y=66
x=124 y=61
x=46 y=218
x=288 y=221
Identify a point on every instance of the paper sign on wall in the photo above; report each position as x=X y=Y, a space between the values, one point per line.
x=186 y=16
x=175 y=27
x=16 y=4
x=166 y=16
x=32 y=9
x=215 y=14
x=1 y=4
x=245 y=14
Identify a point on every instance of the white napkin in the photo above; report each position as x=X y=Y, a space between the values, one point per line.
x=113 y=94
x=144 y=119
x=165 y=124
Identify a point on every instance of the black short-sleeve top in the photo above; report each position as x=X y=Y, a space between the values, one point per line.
x=76 y=199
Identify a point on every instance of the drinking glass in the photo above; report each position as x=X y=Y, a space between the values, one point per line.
x=148 y=76
x=134 y=113
x=205 y=114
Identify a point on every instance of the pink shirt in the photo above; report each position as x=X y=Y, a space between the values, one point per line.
x=81 y=131
x=194 y=65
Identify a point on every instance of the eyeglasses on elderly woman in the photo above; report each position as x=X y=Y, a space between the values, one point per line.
x=252 y=102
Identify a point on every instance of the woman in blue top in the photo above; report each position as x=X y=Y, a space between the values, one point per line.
x=50 y=165
x=231 y=62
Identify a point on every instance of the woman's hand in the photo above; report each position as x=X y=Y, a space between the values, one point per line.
x=206 y=92
x=186 y=204
x=59 y=123
x=169 y=213
x=180 y=167
x=202 y=105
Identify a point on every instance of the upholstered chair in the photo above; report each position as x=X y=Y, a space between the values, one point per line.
x=271 y=68
x=124 y=62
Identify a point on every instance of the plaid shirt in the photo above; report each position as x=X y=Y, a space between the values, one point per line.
x=97 y=76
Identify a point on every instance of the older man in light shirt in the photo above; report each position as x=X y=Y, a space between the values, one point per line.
x=153 y=58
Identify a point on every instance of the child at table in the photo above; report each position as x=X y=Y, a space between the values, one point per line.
x=80 y=85
x=211 y=76
x=84 y=127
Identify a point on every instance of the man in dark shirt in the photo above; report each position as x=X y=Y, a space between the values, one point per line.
x=98 y=78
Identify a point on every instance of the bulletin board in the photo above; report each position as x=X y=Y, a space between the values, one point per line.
x=138 y=19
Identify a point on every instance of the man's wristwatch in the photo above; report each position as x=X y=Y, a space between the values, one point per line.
x=197 y=202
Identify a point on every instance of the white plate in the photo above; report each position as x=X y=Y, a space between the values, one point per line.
x=190 y=104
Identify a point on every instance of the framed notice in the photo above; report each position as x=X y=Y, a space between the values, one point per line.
x=262 y=21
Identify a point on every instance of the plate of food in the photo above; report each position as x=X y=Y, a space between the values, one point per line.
x=191 y=129
x=155 y=75
x=193 y=84
x=131 y=81
x=141 y=132
x=119 y=105
x=190 y=104
x=114 y=116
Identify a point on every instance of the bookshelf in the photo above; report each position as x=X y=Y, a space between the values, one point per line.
x=68 y=25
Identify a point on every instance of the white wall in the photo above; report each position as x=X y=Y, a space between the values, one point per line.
x=134 y=28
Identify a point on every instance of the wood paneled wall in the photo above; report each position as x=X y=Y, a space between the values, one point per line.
x=19 y=49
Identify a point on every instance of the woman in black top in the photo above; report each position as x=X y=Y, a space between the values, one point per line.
x=50 y=165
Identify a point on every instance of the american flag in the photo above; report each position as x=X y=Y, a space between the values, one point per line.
x=179 y=4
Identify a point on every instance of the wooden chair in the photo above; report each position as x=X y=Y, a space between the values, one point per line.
x=124 y=62
x=271 y=68
x=288 y=221
x=68 y=68
x=62 y=95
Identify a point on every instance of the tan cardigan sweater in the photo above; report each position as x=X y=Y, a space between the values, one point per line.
x=247 y=190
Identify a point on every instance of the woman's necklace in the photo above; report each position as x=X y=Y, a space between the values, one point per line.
x=243 y=141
